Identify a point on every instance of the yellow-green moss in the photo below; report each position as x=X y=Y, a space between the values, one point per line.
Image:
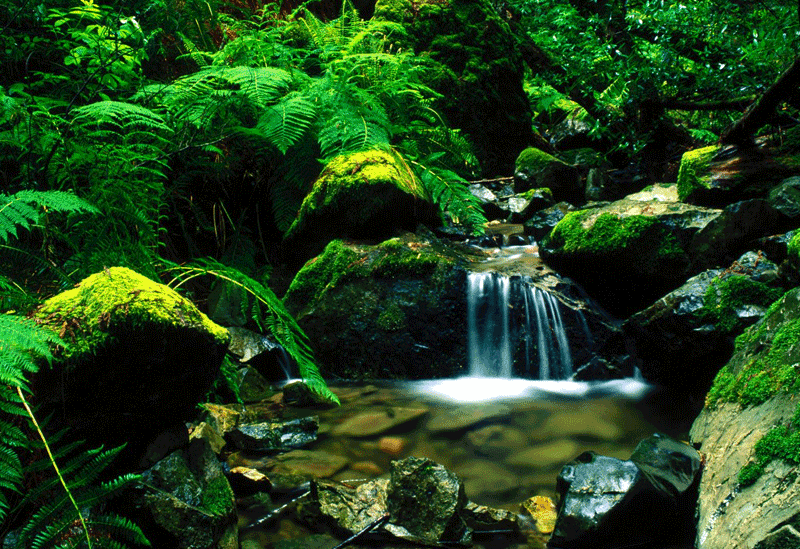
x=392 y=318
x=693 y=172
x=781 y=442
x=114 y=296
x=725 y=296
x=218 y=497
x=608 y=234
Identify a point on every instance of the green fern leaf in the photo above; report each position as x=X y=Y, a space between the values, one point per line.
x=285 y=123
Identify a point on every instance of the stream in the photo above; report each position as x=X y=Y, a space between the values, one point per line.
x=507 y=439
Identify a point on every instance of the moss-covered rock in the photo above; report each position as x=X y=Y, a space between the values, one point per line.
x=751 y=426
x=536 y=169
x=139 y=356
x=364 y=195
x=392 y=310
x=627 y=253
x=716 y=176
x=477 y=68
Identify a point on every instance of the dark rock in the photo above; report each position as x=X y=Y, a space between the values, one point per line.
x=426 y=500
x=685 y=337
x=732 y=233
x=188 y=502
x=253 y=387
x=299 y=394
x=785 y=198
x=670 y=466
x=260 y=352
x=542 y=222
x=595 y=492
x=273 y=437
x=572 y=133
x=351 y=508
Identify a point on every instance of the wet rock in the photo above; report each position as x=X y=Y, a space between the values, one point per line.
x=577 y=424
x=394 y=446
x=221 y=418
x=307 y=464
x=272 y=437
x=670 y=466
x=685 y=337
x=189 y=499
x=732 y=233
x=210 y=435
x=139 y=356
x=425 y=500
x=245 y=481
x=375 y=422
x=166 y=442
x=595 y=491
x=253 y=387
x=542 y=222
x=351 y=508
x=299 y=394
x=542 y=512
x=482 y=517
x=260 y=352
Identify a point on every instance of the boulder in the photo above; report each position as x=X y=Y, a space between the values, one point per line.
x=719 y=175
x=138 y=357
x=477 y=68
x=364 y=195
x=275 y=436
x=541 y=223
x=684 y=338
x=748 y=433
x=187 y=502
x=535 y=169
x=626 y=253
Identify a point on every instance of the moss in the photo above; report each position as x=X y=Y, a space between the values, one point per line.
x=392 y=318
x=218 y=498
x=793 y=249
x=609 y=234
x=693 y=170
x=725 y=296
x=533 y=160
x=781 y=442
x=85 y=314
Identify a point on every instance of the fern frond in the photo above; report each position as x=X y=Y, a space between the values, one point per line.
x=270 y=314
x=17 y=210
x=285 y=123
x=451 y=193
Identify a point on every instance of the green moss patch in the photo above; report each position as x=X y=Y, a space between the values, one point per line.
x=727 y=295
x=693 y=172
x=781 y=442
x=86 y=316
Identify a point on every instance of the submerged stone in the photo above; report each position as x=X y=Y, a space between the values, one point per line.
x=376 y=422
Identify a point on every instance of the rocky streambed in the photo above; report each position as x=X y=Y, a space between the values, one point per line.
x=503 y=451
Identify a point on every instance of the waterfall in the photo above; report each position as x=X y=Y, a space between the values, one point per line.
x=495 y=327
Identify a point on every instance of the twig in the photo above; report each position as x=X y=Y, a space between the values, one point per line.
x=495 y=180
x=367 y=529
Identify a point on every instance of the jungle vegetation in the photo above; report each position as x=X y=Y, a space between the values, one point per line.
x=178 y=138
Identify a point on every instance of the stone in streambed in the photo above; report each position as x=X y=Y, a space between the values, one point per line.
x=376 y=422
x=577 y=424
x=460 y=419
x=542 y=512
x=496 y=441
x=487 y=479
x=547 y=455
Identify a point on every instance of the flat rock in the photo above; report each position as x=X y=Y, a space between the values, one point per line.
x=487 y=479
x=376 y=422
x=309 y=463
x=496 y=440
x=575 y=423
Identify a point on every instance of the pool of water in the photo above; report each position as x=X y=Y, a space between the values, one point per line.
x=506 y=439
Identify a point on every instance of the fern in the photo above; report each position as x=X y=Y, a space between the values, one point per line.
x=19 y=210
x=269 y=314
x=286 y=122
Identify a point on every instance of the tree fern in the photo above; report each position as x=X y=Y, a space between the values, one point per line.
x=269 y=314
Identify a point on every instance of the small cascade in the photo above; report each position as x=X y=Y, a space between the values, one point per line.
x=495 y=325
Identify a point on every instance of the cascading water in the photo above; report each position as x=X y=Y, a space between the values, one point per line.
x=493 y=323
